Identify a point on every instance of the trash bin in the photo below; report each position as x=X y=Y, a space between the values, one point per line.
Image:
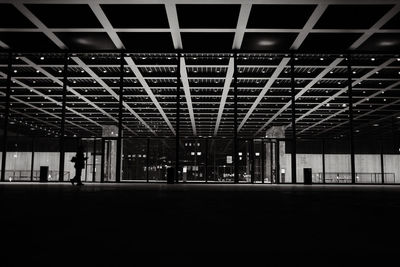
x=44 y=173
x=307 y=175
x=170 y=175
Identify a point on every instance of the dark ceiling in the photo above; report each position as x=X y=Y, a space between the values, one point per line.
x=320 y=33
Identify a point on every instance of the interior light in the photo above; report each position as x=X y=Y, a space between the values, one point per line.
x=41 y=58
x=59 y=71
x=321 y=58
x=372 y=59
x=15 y=71
x=375 y=125
x=37 y=71
x=93 y=58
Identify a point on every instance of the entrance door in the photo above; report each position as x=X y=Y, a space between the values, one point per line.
x=109 y=160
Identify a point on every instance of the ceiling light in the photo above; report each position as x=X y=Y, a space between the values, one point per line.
x=372 y=59
x=321 y=58
x=41 y=58
x=354 y=72
x=15 y=71
x=375 y=125
x=93 y=58
x=220 y=58
x=82 y=71
x=37 y=71
x=59 y=71
x=104 y=71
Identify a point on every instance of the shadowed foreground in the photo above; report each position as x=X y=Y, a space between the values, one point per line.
x=109 y=224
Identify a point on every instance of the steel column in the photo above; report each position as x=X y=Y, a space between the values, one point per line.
x=235 y=124
x=147 y=159
x=94 y=160
x=62 y=127
x=177 y=118
x=120 y=118
x=350 y=96
x=323 y=160
x=382 y=164
x=6 y=116
x=294 y=137
x=32 y=157
x=262 y=161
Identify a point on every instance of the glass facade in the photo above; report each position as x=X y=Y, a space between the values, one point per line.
x=241 y=117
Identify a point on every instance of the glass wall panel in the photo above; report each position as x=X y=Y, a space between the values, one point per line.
x=19 y=159
x=193 y=159
x=309 y=155
x=220 y=160
x=246 y=158
x=337 y=161
x=368 y=160
x=161 y=157
x=134 y=159
x=47 y=154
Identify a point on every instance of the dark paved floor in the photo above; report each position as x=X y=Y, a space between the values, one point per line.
x=189 y=225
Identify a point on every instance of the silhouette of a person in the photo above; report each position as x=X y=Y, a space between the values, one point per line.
x=79 y=160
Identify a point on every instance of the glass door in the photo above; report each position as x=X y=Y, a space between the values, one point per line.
x=109 y=160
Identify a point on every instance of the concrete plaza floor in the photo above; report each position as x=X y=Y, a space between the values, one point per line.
x=197 y=224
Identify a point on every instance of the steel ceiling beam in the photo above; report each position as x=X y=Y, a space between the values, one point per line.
x=225 y=91
x=146 y=87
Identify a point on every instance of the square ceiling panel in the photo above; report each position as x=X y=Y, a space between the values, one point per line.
x=149 y=41
x=10 y=17
x=207 y=41
x=394 y=23
x=268 y=41
x=34 y=41
x=329 y=42
x=382 y=42
x=208 y=16
x=351 y=16
x=279 y=16
x=65 y=16
x=86 y=40
x=136 y=16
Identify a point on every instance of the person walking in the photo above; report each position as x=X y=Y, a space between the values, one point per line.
x=79 y=160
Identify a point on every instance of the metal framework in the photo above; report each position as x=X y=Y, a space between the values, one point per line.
x=234 y=93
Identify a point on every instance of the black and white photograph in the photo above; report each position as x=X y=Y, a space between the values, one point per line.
x=199 y=132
